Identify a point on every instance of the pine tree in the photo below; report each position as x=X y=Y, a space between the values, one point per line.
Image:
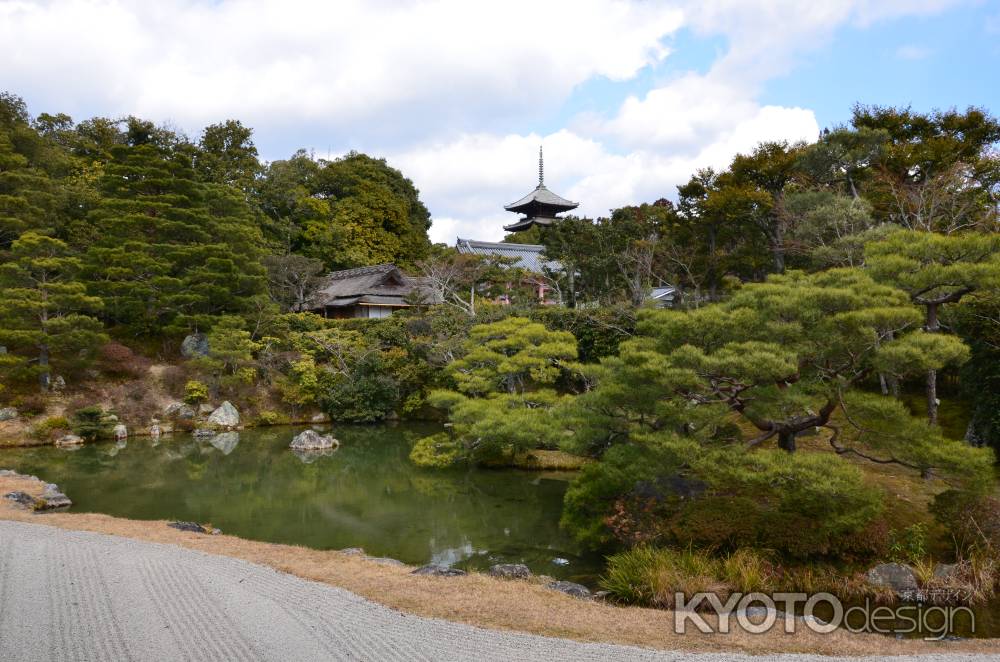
x=936 y=270
x=170 y=250
x=43 y=310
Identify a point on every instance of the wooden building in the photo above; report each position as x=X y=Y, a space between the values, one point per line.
x=369 y=292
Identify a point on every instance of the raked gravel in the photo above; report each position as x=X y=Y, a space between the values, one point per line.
x=71 y=595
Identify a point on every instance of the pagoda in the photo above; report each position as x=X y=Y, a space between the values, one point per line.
x=540 y=206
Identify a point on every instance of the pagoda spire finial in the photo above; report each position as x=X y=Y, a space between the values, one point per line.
x=541 y=168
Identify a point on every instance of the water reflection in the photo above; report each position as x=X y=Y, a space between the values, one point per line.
x=366 y=494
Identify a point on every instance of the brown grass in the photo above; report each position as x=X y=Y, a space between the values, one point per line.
x=481 y=600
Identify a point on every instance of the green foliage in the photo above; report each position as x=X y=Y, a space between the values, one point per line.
x=195 y=392
x=49 y=427
x=90 y=423
x=504 y=398
x=598 y=331
x=436 y=451
x=363 y=394
x=513 y=355
x=352 y=211
x=43 y=310
x=910 y=544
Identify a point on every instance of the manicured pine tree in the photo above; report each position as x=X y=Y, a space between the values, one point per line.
x=171 y=251
x=936 y=270
x=44 y=310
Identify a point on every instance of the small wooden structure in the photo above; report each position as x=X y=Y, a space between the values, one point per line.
x=369 y=292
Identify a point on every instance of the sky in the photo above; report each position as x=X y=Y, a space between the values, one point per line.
x=628 y=98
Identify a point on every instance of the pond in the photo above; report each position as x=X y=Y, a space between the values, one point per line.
x=366 y=494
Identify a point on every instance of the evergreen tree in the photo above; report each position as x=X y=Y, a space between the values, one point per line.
x=43 y=310
x=936 y=270
x=169 y=250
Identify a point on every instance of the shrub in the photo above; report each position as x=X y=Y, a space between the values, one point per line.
x=268 y=417
x=90 y=422
x=195 y=392
x=438 y=450
x=174 y=378
x=53 y=426
x=118 y=360
x=31 y=405
x=972 y=519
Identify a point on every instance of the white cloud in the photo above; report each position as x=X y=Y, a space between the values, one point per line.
x=439 y=85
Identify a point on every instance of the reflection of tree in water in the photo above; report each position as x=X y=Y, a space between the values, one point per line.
x=367 y=494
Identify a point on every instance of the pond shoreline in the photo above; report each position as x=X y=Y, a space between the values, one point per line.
x=484 y=601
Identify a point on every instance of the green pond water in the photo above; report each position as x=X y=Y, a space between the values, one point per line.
x=365 y=494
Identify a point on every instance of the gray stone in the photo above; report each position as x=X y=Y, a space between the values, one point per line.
x=353 y=551
x=69 y=440
x=310 y=440
x=22 y=498
x=202 y=433
x=226 y=442
x=437 y=570
x=320 y=418
x=898 y=577
x=226 y=417
x=205 y=409
x=194 y=527
x=570 y=588
x=53 y=498
x=510 y=571
x=120 y=431
x=945 y=570
x=385 y=560
x=58 y=384
x=8 y=413
x=194 y=345
x=179 y=410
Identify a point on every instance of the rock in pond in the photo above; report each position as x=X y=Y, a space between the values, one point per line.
x=194 y=345
x=204 y=409
x=202 y=433
x=438 y=570
x=570 y=588
x=226 y=416
x=69 y=440
x=510 y=571
x=310 y=440
x=895 y=576
x=120 y=431
x=7 y=413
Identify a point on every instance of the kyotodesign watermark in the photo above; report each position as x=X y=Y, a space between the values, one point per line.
x=823 y=613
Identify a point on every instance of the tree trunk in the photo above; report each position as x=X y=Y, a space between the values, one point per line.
x=786 y=441
x=44 y=376
x=932 y=326
x=932 y=399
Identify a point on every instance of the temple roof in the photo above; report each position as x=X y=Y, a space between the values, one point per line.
x=541 y=198
x=381 y=284
x=525 y=256
x=540 y=206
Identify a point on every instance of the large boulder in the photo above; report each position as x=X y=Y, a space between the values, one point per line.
x=510 y=571
x=179 y=410
x=7 y=413
x=899 y=578
x=194 y=345
x=226 y=417
x=310 y=440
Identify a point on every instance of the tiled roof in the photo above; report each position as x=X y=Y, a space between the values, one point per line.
x=542 y=196
x=382 y=284
x=527 y=256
